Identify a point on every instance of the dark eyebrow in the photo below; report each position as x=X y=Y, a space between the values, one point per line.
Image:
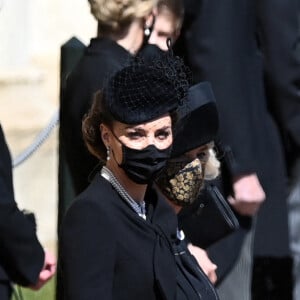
x=165 y=128
x=203 y=148
x=134 y=127
x=142 y=129
x=162 y=32
x=130 y=127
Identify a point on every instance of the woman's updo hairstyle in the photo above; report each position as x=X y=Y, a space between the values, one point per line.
x=97 y=114
x=115 y=15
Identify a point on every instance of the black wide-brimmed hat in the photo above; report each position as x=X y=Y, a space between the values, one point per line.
x=144 y=91
x=198 y=120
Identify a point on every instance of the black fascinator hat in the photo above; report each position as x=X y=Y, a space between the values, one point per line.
x=144 y=90
x=198 y=120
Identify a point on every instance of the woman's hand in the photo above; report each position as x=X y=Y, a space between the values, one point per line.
x=208 y=267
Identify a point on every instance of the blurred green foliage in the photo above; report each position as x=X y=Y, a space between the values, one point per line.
x=47 y=292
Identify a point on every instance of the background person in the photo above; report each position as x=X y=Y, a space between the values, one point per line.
x=22 y=258
x=120 y=35
x=168 y=22
x=279 y=38
x=221 y=45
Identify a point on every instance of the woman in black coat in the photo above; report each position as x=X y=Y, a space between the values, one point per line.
x=192 y=162
x=116 y=238
x=120 y=35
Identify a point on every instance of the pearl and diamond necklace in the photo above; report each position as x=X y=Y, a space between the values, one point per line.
x=139 y=208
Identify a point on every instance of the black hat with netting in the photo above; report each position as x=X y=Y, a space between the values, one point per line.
x=144 y=91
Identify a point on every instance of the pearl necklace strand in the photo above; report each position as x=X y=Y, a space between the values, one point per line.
x=139 y=208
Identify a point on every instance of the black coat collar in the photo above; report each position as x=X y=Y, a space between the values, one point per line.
x=162 y=224
x=100 y=45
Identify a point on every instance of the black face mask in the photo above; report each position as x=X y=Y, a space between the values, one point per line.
x=142 y=166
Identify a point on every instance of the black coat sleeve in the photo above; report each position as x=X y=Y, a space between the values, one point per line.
x=87 y=255
x=279 y=37
x=21 y=255
x=77 y=97
x=219 y=49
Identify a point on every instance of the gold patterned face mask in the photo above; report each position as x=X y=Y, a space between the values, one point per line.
x=181 y=181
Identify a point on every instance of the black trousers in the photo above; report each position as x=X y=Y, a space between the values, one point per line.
x=5 y=290
x=272 y=278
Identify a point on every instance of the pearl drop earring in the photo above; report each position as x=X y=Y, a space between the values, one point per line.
x=107 y=153
x=147 y=31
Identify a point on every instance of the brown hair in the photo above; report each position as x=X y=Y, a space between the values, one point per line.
x=97 y=114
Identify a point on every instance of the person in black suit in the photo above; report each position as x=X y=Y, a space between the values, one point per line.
x=220 y=45
x=116 y=238
x=279 y=38
x=120 y=35
x=22 y=258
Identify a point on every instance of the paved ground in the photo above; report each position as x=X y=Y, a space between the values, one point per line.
x=29 y=98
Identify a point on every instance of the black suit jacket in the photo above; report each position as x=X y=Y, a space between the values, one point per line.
x=101 y=59
x=279 y=38
x=108 y=252
x=221 y=46
x=21 y=255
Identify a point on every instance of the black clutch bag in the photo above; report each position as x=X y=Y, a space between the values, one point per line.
x=209 y=219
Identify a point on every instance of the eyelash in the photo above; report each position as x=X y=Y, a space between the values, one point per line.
x=164 y=134
x=203 y=155
x=134 y=135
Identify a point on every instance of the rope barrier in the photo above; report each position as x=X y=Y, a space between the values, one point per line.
x=39 y=140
